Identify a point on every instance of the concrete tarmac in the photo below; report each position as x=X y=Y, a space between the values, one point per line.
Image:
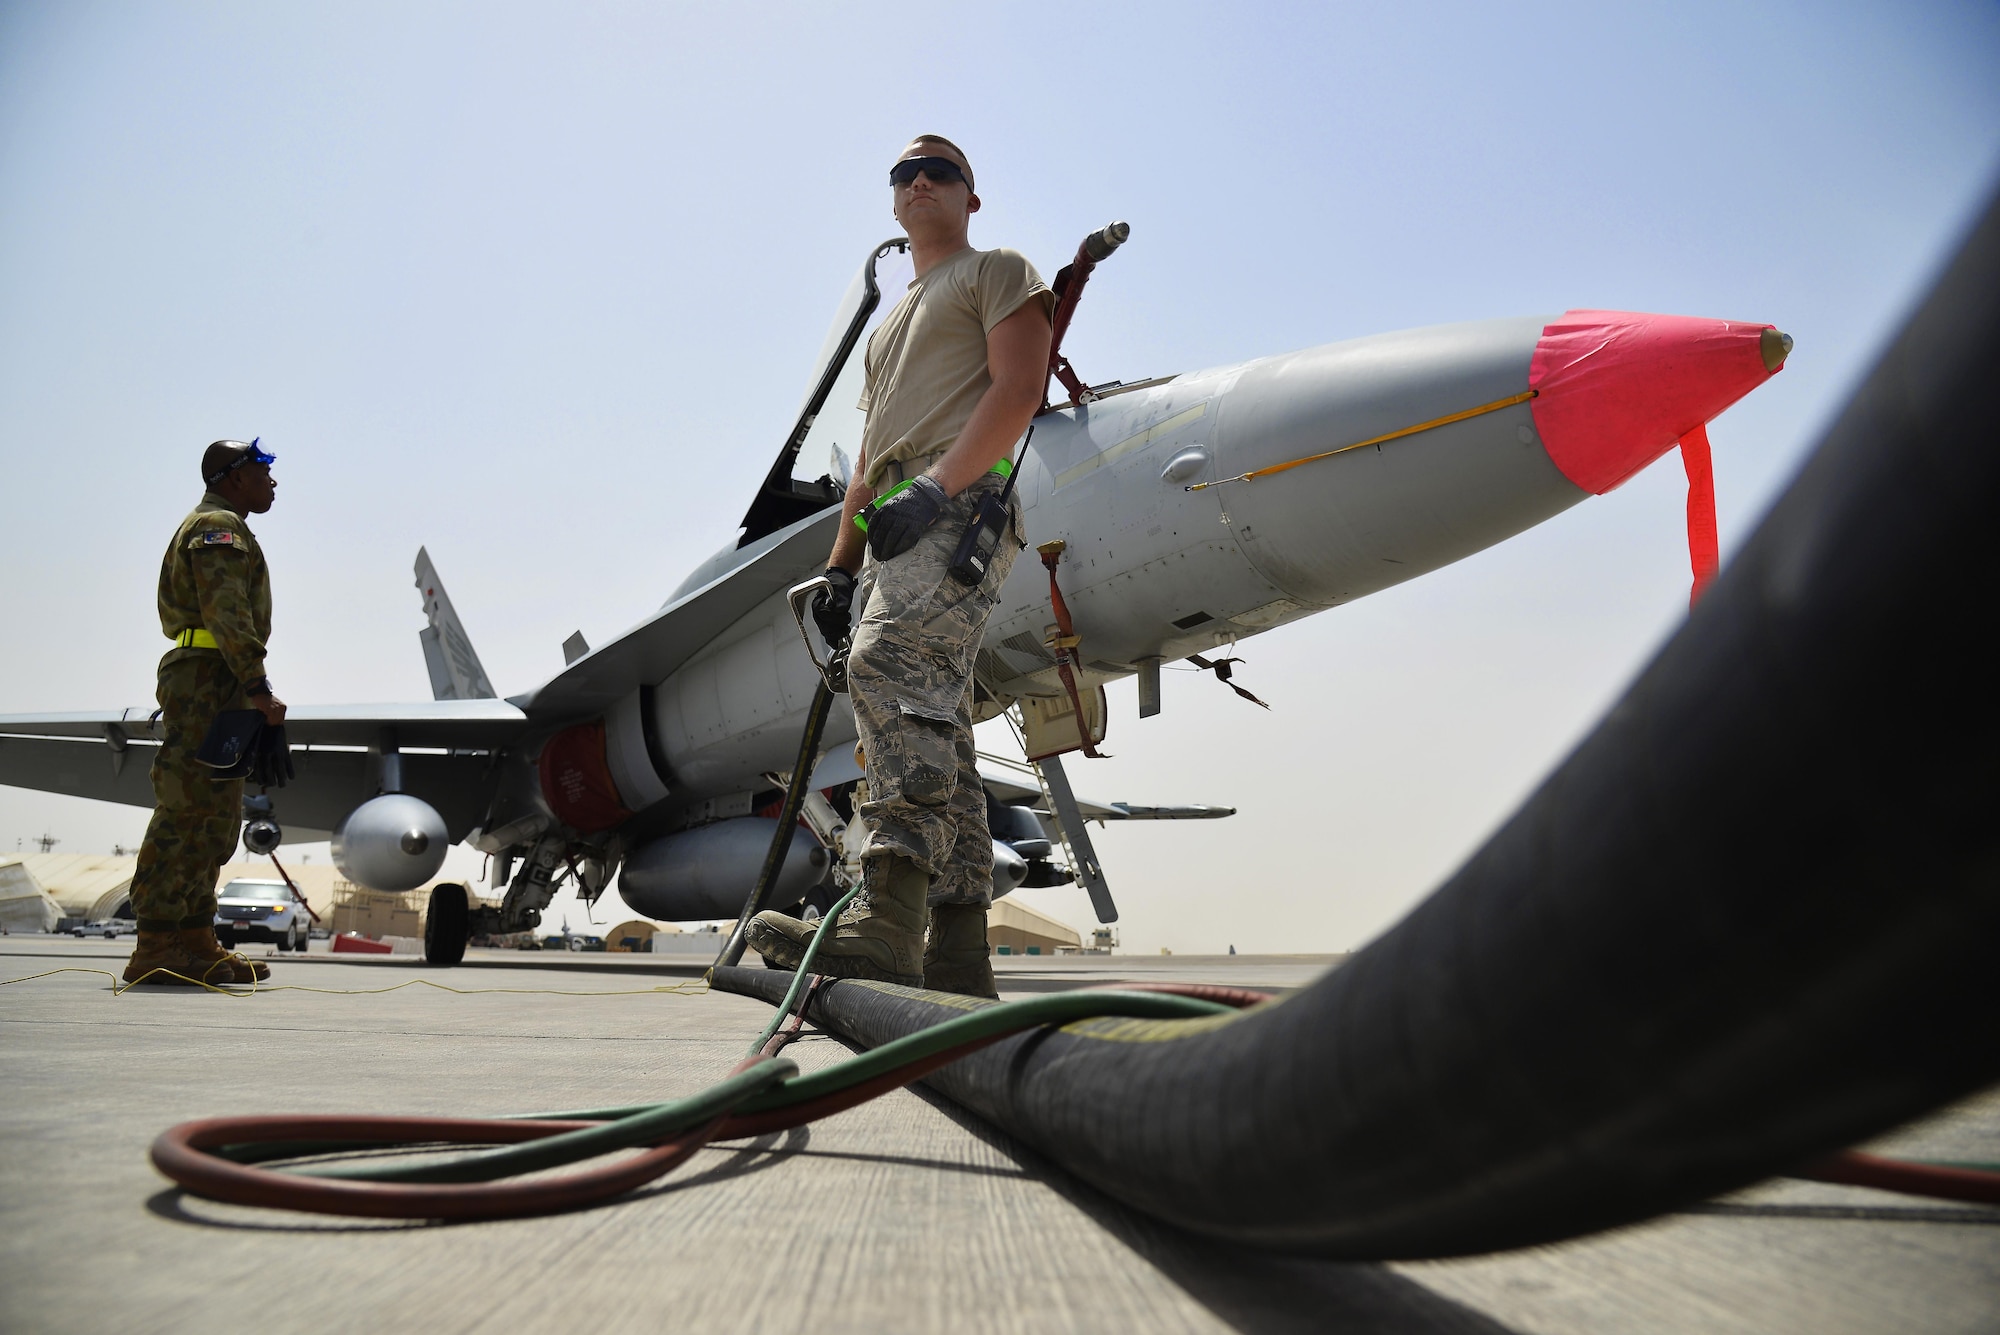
x=902 y=1215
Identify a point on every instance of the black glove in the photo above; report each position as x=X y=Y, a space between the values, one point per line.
x=271 y=758
x=833 y=606
x=899 y=521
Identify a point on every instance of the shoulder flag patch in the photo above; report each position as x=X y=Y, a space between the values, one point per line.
x=218 y=537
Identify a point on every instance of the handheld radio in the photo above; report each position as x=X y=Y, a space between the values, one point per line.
x=981 y=539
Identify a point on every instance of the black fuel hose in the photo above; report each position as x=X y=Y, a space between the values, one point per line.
x=1747 y=923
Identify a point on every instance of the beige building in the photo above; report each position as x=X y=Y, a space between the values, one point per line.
x=86 y=885
x=1016 y=929
x=24 y=905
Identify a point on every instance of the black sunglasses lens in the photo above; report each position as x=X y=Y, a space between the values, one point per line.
x=940 y=170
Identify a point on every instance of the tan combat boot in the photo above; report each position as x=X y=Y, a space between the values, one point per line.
x=879 y=936
x=218 y=965
x=956 y=958
x=161 y=958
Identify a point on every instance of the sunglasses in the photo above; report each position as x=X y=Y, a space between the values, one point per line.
x=942 y=171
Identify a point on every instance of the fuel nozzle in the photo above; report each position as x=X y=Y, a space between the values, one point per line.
x=1106 y=239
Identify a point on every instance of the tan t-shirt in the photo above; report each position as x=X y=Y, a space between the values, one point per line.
x=927 y=363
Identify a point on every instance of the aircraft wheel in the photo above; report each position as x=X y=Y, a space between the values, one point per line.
x=447 y=925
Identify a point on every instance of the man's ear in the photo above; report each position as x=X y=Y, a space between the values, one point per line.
x=972 y=203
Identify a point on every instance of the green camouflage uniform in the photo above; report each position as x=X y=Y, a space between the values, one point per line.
x=909 y=679
x=213 y=578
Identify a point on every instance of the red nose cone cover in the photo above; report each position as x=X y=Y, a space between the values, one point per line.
x=1616 y=389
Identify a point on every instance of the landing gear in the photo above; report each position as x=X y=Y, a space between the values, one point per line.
x=447 y=924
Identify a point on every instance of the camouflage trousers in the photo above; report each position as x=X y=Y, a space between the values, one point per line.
x=909 y=679
x=196 y=820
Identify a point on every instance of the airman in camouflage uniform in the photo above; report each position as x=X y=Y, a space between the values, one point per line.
x=955 y=372
x=909 y=679
x=215 y=605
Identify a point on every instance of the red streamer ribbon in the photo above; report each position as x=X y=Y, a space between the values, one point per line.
x=1704 y=552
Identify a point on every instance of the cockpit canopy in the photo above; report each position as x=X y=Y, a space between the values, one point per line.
x=828 y=426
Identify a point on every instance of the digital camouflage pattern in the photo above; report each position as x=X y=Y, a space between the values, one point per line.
x=195 y=818
x=213 y=577
x=909 y=679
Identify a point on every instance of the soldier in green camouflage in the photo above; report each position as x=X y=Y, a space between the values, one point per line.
x=955 y=372
x=215 y=605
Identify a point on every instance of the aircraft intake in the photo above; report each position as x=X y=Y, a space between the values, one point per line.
x=394 y=842
x=708 y=871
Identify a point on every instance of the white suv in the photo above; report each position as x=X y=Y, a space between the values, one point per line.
x=261 y=911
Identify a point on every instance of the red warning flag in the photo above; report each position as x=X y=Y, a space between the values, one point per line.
x=1704 y=552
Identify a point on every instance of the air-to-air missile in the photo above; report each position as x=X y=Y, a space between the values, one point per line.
x=1173 y=515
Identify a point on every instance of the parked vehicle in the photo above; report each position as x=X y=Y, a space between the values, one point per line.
x=261 y=911
x=571 y=941
x=108 y=928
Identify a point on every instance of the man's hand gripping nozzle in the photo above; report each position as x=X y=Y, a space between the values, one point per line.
x=832 y=605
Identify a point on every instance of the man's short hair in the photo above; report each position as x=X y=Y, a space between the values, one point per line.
x=942 y=142
x=226 y=456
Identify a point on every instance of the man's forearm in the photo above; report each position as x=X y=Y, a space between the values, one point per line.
x=848 y=542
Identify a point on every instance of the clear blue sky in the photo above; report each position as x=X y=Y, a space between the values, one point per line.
x=538 y=286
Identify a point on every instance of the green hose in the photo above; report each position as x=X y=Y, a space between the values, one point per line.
x=763 y=1087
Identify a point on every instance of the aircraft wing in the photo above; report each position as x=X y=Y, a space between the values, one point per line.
x=107 y=755
x=653 y=649
x=1013 y=782
x=452 y=724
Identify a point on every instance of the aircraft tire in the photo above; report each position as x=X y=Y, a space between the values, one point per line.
x=447 y=924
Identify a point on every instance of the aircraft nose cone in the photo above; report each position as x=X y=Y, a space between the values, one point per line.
x=1775 y=346
x=1616 y=389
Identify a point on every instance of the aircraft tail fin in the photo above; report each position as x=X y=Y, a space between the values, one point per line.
x=448 y=654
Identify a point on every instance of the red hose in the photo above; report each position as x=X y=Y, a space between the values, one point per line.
x=181 y=1152
x=1913 y=1179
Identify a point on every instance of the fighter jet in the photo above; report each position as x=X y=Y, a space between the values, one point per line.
x=1173 y=516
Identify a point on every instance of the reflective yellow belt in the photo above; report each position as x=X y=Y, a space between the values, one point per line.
x=197 y=638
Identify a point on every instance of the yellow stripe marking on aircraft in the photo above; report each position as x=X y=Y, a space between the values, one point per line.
x=1134 y=442
x=1446 y=420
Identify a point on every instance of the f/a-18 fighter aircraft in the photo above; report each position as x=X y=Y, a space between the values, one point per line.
x=1172 y=516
